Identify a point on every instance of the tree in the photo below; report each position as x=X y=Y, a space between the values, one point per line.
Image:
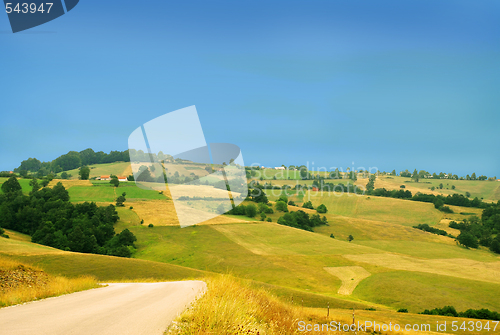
x=371 y=184
x=350 y=238
x=262 y=217
x=452 y=187
x=473 y=177
x=468 y=240
x=114 y=181
x=321 y=209
x=415 y=176
x=64 y=175
x=441 y=186
x=11 y=185
x=34 y=186
x=84 y=173
x=308 y=204
x=251 y=210
x=393 y=173
x=331 y=235
x=281 y=206
x=120 y=200
x=467 y=194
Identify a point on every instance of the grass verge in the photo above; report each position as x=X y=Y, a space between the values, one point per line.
x=20 y=283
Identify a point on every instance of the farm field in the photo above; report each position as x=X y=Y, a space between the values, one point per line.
x=389 y=264
x=25 y=184
x=97 y=170
x=488 y=190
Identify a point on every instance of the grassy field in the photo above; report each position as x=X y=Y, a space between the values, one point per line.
x=488 y=190
x=97 y=170
x=25 y=184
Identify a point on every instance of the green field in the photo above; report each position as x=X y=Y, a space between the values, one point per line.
x=97 y=170
x=482 y=189
x=25 y=184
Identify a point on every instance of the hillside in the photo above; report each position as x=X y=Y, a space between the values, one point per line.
x=388 y=266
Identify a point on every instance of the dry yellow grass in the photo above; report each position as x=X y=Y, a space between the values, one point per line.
x=351 y=276
x=50 y=286
x=162 y=213
x=233 y=306
x=454 y=267
x=70 y=183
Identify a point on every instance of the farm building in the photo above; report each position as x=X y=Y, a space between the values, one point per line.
x=280 y=168
x=105 y=178
x=122 y=178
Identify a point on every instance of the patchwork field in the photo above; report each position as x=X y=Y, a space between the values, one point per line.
x=489 y=190
x=97 y=170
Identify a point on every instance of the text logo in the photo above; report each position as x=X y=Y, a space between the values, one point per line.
x=204 y=180
x=31 y=13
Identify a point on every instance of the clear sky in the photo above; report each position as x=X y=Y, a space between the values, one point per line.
x=387 y=84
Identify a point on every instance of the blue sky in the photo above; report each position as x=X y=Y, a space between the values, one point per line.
x=387 y=84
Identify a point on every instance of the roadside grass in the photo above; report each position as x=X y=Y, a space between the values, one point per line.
x=233 y=306
x=104 y=268
x=50 y=286
x=417 y=291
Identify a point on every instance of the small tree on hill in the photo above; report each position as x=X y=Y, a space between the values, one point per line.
x=114 y=181
x=308 y=204
x=281 y=206
x=468 y=240
x=11 y=185
x=251 y=210
x=120 y=200
x=350 y=238
x=321 y=209
x=84 y=173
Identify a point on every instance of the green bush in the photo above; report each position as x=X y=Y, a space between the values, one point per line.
x=322 y=209
x=150 y=225
x=402 y=310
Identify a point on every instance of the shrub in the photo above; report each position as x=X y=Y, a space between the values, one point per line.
x=291 y=203
x=308 y=204
x=269 y=220
x=322 y=209
x=131 y=207
x=262 y=216
x=150 y=225
x=251 y=210
x=402 y=310
x=281 y=206
x=331 y=235
x=402 y=186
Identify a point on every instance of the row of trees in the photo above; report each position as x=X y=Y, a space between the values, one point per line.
x=300 y=219
x=48 y=216
x=485 y=231
x=482 y=314
x=71 y=160
x=417 y=175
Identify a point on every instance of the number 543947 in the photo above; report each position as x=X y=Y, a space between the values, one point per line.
x=28 y=8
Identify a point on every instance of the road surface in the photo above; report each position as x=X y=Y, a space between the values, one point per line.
x=118 y=309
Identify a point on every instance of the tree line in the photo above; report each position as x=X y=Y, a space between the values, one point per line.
x=50 y=219
x=483 y=231
x=71 y=160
